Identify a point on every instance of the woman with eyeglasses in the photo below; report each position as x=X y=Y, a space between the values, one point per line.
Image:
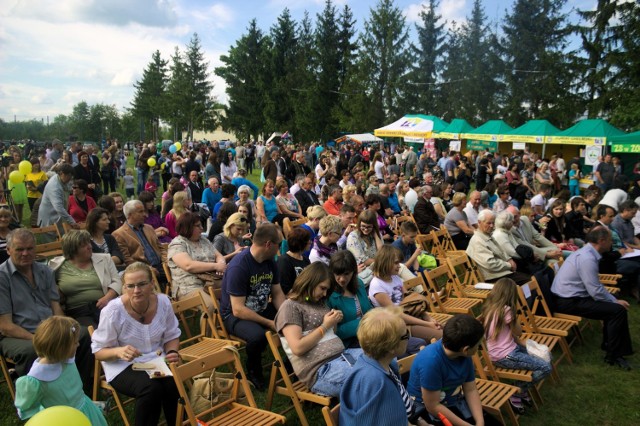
x=502 y=203
x=80 y=204
x=307 y=330
x=383 y=336
x=87 y=281
x=139 y=327
x=364 y=242
x=193 y=260
x=234 y=237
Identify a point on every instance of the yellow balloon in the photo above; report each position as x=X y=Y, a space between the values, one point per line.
x=16 y=177
x=151 y=162
x=25 y=167
x=163 y=165
x=59 y=415
x=178 y=146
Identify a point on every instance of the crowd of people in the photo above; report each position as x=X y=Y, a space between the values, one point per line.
x=332 y=287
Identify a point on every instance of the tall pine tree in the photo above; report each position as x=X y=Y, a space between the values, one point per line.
x=149 y=101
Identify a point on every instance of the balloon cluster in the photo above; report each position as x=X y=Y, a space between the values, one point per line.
x=17 y=176
x=175 y=147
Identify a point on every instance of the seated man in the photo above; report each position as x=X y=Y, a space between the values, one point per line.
x=334 y=201
x=539 y=201
x=306 y=196
x=526 y=234
x=425 y=214
x=29 y=295
x=623 y=226
x=443 y=377
x=250 y=279
x=138 y=242
x=348 y=217
x=212 y=194
x=491 y=259
x=580 y=293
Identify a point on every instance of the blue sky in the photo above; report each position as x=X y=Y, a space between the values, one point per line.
x=54 y=54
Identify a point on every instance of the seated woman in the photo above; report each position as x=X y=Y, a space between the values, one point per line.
x=383 y=336
x=349 y=296
x=87 y=281
x=5 y=220
x=234 y=237
x=101 y=242
x=153 y=217
x=364 y=242
x=326 y=244
x=181 y=203
x=192 y=259
x=457 y=223
x=386 y=289
x=288 y=204
x=293 y=261
x=306 y=328
x=244 y=193
x=80 y=204
x=267 y=208
x=118 y=213
x=138 y=327
x=374 y=204
x=247 y=210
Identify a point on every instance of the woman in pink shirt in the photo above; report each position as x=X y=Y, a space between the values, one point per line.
x=503 y=331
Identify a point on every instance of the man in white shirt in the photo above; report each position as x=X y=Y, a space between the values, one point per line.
x=539 y=201
x=473 y=208
x=411 y=197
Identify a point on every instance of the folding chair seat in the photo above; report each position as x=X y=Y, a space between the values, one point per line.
x=494 y=396
x=287 y=384
x=440 y=282
x=553 y=343
x=227 y=411
x=445 y=243
x=196 y=345
x=100 y=382
x=411 y=284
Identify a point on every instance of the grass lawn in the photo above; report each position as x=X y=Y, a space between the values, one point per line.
x=590 y=392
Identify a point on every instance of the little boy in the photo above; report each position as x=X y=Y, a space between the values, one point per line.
x=443 y=377
x=407 y=245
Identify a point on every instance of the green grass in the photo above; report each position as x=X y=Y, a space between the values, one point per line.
x=590 y=392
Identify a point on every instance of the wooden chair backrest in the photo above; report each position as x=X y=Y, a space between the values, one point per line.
x=185 y=373
x=167 y=273
x=444 y=241
x=483 y=365
x=219 y=330
x=288 y=225
x=404 y=364
x=51 y=229
x=538 y=297
x=331 y=415
x=428 y=243
x=188 y=305
x=462 y=269
x=398 y=221
x=440 y=283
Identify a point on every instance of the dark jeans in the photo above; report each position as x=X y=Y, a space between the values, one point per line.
x=87 y=314
x=461 y=240
x=109 y=182
x=22 y=353
x=254 y=334
x=151 y=395
x=615 y=331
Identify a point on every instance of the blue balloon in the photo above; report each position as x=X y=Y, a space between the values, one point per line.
x=173 y=149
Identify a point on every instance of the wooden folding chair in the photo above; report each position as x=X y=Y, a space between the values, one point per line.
x=7 y=376
x=482 y=360
x=398 y=221
x=552 y=342
x=445 y=243
x=404 y=364
x=100 y=382
x=48 y=250
x=283 y=383
x=219 y=327
x=411 y=284
x=532 y=323
x=40 y=232
x=540 y=304
x=465 y=277
x=228 y=411
x=494 y=396
x=288 y=225
x=167 y=273
x=440 y=282
x=197 y=345
x=331 y=415
x=428 y=244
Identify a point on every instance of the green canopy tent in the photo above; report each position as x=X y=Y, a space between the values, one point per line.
x=626 y=144
x=533 y=131
x=487 y=136
x=455 y=129
x=586 y=132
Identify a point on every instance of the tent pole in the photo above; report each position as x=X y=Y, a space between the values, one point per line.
x=544 y=146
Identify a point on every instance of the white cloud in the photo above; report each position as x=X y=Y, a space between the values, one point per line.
x=217 y=16
x=449 y=10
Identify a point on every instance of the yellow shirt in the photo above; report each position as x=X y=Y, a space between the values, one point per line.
x=37 y=179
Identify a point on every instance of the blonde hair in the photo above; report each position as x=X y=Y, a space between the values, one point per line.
x=136 y=267
x=385 y=260
x=128 y=171
x=381 y=330
x=316 y=212
x=178 y=203
x=330 y=224
x=56 y=337
x=235 y=219
x=459 y=198
x=73 y=241
x=348 y=191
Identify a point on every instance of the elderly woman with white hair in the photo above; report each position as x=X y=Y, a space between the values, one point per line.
x=492 y=260
x=244 y=193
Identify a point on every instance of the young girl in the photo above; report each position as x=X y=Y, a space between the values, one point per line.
x=127 y=183
x=574 y=180
x=503 y=331
x=151 y=186
x=54 y=378
x=386 y=289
